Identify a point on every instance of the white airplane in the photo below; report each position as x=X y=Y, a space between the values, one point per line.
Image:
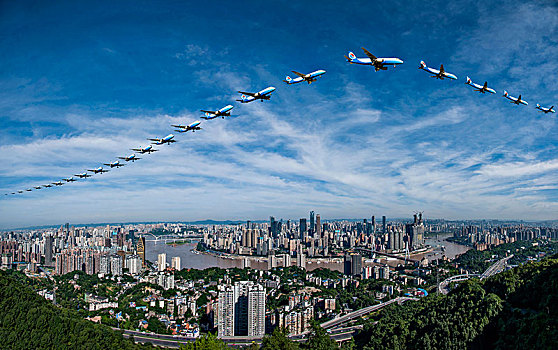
x=167 y=139
x=379 y=63
x=309 y=78
x=115 y=164
x=19 y=191
x=83 y=175
x=29 y=190
x=71 y=179
x=58 y=183
x=38 y=187
x=184 y=128
x=545 y=110
x=132 y=157
x=142 y=150
x=264 y=94
x=223 y=112
x=47 y=185
x=98 y=170
x=480 y=88
x=515 y=100
x=438 y=74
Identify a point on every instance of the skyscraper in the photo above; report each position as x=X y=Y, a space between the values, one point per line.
x=312 y=227
x=318 y=226
x=242 y=310
x=303 y=229
x=141 y=250
x=383 y=224
x=48 y=250
x=352 y=264
x=175 y=263
x=162 y=262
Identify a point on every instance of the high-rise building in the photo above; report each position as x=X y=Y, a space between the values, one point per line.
x=256 y=311
x=383 y=224
x=352 y=264
x=162 y=262
x=115 y=265
x=312 y=227
x=141 y=249
x=133 y=263
x=48 y=250
x=225 y=312
x=318 y=226
x=300 y=258
x=303 y=229
x=241 y=310
x=175 y=263
x=104 y=267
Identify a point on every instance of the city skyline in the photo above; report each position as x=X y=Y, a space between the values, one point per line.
x=355 y=142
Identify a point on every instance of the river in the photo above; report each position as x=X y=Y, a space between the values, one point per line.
x=189 y=259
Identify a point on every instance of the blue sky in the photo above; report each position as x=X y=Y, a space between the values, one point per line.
x=83 y=82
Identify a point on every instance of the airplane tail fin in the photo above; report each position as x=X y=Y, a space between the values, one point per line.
x=505 y=93
x=468 y=81
x=352 y=56
x=538 y=105
x=422 y=65
x=442 y=70
x=288 y=79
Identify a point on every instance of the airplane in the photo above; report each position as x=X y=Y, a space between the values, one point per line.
x=438 y=74
x=260 y=95
x=192 y=126
x=115 y=164
x=545 y=110
x=142 y=150
x=71 y=179
x=47 y=185
x=480 y=88
x=98 y=170
x=379 y=63
x=58 y=183
x=29 y=190
x=83 y=175
x=223 y=112
x=167 y=139
x=132 y=157
x=309 y=78
x=514 y=100
x=38 y=187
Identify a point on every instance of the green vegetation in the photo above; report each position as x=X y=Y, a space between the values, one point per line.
x=509 y=310
x=27 y=321
x=206 y=342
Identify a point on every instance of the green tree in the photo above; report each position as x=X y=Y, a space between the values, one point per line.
x=206 y=342
x=319 y=339
x=278 y=340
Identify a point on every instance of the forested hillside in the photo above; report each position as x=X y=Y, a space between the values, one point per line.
x=28 y=321
x=516 y=309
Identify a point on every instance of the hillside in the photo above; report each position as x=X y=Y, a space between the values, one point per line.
x=511 y=310
x=28 y=321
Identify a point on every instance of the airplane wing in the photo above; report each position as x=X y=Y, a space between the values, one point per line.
x=176 y=126
x=154 y=140
x=370 y=55
x=211 y=112
x=247 y=93
x=299 y=74
x=120 y=158
x=107 y=164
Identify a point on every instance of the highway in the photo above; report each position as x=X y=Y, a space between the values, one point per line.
x=495 y=268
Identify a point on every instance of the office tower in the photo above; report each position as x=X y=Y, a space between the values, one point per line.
x=175 y=263
x=162 y=262
x=115 y=265
x=356 y=267
x=226 y=312
x=415 y=232
x=256 y=311
x=352 y=264
x=120 y=237
x=373 y=224
x=318 y=226
x=48 y=250
x=312 y=227
x=274 y=227
x=141 y=250
x=303 y=229
x=384 y=224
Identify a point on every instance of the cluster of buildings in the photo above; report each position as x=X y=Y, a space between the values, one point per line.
x=486 y=235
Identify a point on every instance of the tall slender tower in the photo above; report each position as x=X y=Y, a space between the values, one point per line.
x=141 y=250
